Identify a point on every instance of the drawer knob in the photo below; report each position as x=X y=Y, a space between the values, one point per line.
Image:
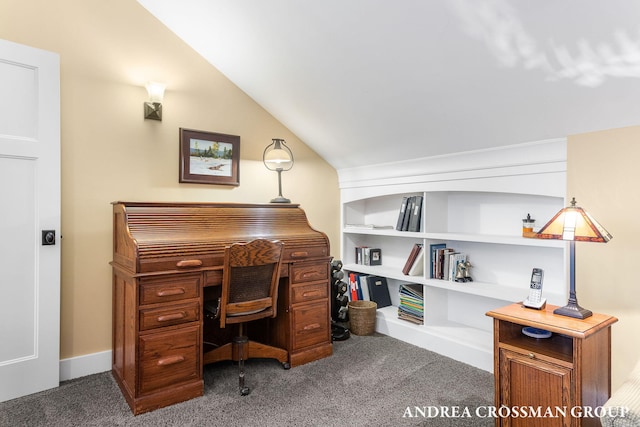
x=189 y=263
x=532 y=356
x=170 y=292
x=171 y=360
x=312 y=326
x=299 y=254
x=172 y=316
x=310 y=294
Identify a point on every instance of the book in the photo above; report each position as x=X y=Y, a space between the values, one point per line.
x=379 y=290
x=446 y=261
x=369 y=226
x=407 y=213
x=417 y=269
x=353 y=287
x=402 y=212
x=433 y=257
x=456 y=259
x=411 y=258
x=362 y=282
x=416 y=214
x=411 y=307
x=361 y=252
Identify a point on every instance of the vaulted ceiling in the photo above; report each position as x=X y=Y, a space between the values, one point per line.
x=372 y=81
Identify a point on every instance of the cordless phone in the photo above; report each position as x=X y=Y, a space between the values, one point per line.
x=535 y=300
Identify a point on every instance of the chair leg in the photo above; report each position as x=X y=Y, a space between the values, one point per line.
x=241 y=340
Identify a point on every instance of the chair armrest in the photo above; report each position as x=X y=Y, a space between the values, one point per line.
x=623 y=408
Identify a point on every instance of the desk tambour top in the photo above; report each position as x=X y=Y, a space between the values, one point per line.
x=154 y=236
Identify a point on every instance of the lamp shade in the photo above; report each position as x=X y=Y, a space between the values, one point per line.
x=573 y=223
x=278 y=156
x=155 y=91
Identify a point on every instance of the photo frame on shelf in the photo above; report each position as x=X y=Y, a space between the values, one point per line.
x=209 y=158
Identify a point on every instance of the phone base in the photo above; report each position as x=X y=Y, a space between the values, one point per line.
x=535 y=305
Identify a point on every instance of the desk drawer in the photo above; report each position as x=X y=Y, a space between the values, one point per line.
x=308 y=272
x=213 y=278
x=168 y=316
x=168 y=288
x=311 y=324
x=304 y=293
x=168 y=359
x=297 y=254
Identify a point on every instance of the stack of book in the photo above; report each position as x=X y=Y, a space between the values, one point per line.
x=411 y=306
x=410 y=215
x=444 y=262
x=368 y=256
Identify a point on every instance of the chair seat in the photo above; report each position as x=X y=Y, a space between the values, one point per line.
x=246 y=313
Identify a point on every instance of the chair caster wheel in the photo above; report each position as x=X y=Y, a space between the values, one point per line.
x=286 y=365
x=244 y=391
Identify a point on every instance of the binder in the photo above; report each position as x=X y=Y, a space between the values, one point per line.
x=415 y=214
x=407 y=213
x=401 y=214
x=379 y=291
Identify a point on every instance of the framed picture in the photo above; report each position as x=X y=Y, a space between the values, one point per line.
x=209 y=158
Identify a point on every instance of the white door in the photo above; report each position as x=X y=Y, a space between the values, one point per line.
x=30 y=203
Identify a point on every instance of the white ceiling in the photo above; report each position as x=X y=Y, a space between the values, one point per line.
x=371 y=81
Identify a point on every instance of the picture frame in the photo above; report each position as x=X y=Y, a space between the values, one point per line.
x=209 y=157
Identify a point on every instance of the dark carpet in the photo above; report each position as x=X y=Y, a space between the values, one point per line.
x=369 y=381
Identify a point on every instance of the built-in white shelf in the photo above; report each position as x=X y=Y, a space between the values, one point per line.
x=473 y=203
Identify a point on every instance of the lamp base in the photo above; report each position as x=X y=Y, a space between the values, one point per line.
x=280 y=199
x=573 y=310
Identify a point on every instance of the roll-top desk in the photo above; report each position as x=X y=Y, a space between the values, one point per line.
x=167 y=262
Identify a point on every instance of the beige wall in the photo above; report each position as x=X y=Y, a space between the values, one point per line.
x=603 y=176
x=108 y=50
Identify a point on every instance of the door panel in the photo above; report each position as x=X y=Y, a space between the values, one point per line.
x=30 y=194
x=535 y=385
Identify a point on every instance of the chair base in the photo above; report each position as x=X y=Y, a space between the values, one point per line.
x=242 y=349
x=253 y=350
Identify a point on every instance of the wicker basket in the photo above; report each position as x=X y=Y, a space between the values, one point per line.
x=362 y=317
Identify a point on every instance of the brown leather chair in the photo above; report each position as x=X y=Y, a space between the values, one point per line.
x=249 y=292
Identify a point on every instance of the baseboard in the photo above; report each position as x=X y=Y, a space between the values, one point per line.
x=88 y=364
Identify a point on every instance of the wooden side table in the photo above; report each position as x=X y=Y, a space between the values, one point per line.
x=555 y=381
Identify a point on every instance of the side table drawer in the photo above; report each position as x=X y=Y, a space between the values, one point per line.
x=168 y=316
x=168 y=359
x=311 y=324
x=169 y=288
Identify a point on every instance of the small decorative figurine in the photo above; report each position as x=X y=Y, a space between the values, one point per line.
x=463 y=273
x=467 y=271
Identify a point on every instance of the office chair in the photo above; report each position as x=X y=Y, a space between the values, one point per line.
x=250 y=279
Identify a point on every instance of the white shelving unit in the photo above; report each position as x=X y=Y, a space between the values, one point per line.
x=474 y=203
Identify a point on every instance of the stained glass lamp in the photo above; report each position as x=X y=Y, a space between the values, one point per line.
x=575 y=225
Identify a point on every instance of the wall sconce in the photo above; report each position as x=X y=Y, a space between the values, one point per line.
x=278 y=157
x=153 y=107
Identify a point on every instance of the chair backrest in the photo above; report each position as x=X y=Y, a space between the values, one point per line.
x=250 y=281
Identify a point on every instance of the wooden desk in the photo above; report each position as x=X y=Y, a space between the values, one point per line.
x=571 y=369
x=167 y=261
